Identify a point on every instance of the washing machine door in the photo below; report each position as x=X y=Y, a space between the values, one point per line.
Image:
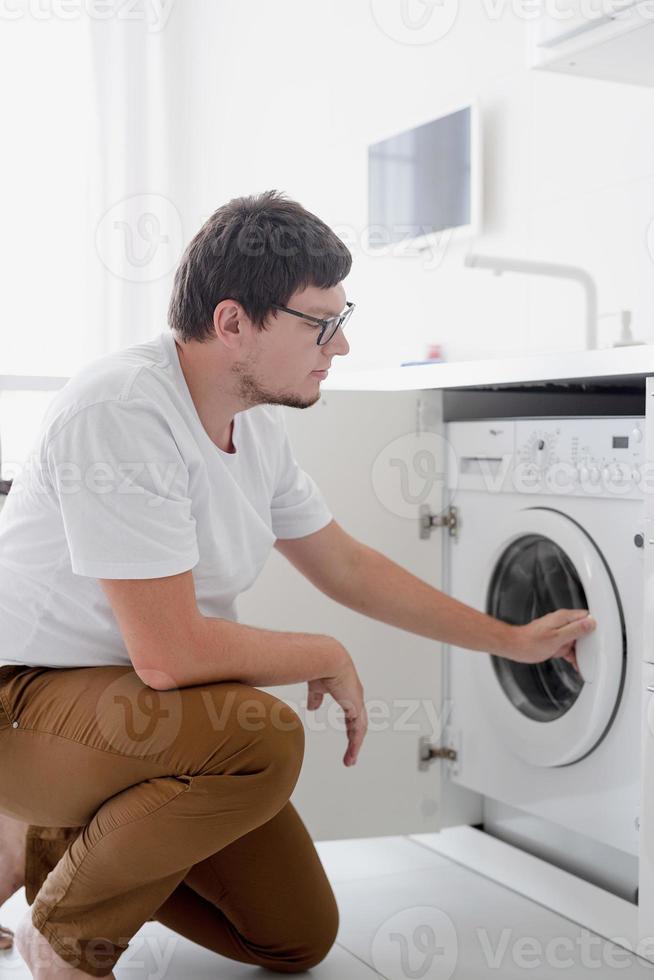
x=548 y=714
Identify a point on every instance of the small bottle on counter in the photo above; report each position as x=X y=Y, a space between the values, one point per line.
x=433 y=355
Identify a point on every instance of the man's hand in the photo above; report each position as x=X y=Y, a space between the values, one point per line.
x=346 y=689
x=553 y=635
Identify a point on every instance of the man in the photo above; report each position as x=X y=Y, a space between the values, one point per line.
x=160 y=478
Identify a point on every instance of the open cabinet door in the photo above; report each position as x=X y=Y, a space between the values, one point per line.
x=377 y=456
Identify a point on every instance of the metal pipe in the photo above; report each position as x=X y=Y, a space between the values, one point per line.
x=500 y=263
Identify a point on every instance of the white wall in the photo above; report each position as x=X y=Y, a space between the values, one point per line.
x=233 y=97
x=288 y=94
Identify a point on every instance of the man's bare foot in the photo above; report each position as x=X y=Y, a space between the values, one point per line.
x=43 y=962
x=12 y=866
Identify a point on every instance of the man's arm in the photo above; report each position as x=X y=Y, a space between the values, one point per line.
x=171 y=644
x=368 y=582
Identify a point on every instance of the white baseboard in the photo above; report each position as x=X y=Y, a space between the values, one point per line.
x=588 y=905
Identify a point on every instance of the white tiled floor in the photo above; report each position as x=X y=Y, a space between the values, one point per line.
x=405 y=912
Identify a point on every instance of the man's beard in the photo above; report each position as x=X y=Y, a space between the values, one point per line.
x=254 y=393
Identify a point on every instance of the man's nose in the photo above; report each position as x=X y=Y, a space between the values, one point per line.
x=338 y=344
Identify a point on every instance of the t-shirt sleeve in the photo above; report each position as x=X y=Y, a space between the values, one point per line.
x=122 y=487
x=298 y=506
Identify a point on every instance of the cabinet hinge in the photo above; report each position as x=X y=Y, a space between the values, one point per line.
x=427 y=520
x=428 y=752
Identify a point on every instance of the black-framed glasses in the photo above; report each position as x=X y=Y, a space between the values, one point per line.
x=328 y=326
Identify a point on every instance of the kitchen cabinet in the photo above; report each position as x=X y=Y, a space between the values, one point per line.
x=369 y=442
x=614 y=42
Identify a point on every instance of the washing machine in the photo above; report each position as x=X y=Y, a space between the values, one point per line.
x=549 y=514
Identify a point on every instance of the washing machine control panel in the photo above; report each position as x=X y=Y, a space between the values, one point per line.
x=594 y=457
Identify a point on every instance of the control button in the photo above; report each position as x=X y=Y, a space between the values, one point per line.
x=583 y=473
x=531 y=475
x=616 y=473
x=637 y=435
x=620 y=473
x=594 y=474
x=561 y=476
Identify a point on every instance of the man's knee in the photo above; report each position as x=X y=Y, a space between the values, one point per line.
x=323 y=942
x=268 y=723
x=282 y=732
x=317 y=942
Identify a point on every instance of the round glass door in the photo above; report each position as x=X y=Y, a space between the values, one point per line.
x=535 y=576
x=547 y=714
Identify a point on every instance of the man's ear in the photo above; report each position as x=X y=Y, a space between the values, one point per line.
x=227 y=320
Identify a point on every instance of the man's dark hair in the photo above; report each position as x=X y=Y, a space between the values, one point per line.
x=258 y=250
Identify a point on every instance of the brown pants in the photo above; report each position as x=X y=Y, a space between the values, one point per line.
x=167 y=805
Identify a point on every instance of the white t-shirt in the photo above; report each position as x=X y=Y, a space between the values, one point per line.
x=123 y=481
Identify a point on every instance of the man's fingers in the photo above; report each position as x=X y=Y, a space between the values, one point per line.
x=356 y=730
x=571 y=657
x=314 y=698
x=577 y=629
x=561 y=617
x=354 y=740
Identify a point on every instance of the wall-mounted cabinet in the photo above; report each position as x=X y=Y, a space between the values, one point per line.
x=614 y=42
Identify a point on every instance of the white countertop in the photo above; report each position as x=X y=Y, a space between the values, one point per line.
x=564 y=366
x=611 y=362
